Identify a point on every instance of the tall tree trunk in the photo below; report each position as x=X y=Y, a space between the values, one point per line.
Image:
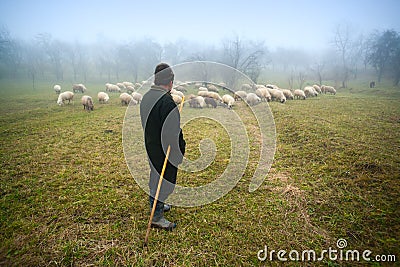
x=380 y=72
x=33 y=80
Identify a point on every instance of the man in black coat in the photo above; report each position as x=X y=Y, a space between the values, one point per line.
x=161 y=124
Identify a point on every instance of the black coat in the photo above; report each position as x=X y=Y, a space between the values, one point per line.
x=161 y=124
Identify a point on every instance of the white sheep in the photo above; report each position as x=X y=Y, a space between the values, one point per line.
x=190 y=96
x=112 y=88
x=176 y=92
x=263 y=94
x=57 y=89
x=299 y=94
x=201 y=88
x=103 y=97
x=240 y=95
x=180 y=88
x=121 y=86
x=212 y=88
x=222 y=84
x=252 y=99
x=272 y=86
x=130 y=89
x=215 y=95
x=87 y=103
x=277 y=95
x=137 y=96
x=202 y=93
x=78 y=88
x=126 y=99
x=108 y=85
x=246 y=87
x=317 y=88
x=288 y=94
x=315 y=91
x=228 y=100
x=137 y=86
x=67 y=95
x=309 y=91
x=127 y=84
x=197 y=102
x=177 y=99
x=328 y=89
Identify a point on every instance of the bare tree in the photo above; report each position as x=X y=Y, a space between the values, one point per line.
x=233 y=50
x=301 y=77
x=53 y=49
x=366 y=49
x=103 y=60
x=73 y=58
x=355 y=54
x=318 y=70
x=79 y=60
x=10 y=53
x=349 y=45
x=246 y=57
x=148 y=54
x=179 y=51
x=385 y=54
x=33 y=57
x=291 y=79
x=342 y=42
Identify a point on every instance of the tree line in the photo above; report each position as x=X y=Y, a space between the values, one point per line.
x=46 y=58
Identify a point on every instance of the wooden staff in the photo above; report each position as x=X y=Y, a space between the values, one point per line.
x=159 y=185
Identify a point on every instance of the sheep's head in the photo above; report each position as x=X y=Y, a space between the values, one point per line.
x=90 y=104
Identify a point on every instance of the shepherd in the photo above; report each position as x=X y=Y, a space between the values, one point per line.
x=164 y=142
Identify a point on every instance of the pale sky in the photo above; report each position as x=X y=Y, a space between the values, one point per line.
x=305 y=24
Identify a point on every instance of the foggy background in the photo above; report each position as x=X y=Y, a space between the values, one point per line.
x=290 y=41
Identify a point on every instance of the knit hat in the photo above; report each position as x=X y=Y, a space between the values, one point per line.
x=163 y=74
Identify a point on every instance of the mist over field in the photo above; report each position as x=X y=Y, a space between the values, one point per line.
x=95 y=40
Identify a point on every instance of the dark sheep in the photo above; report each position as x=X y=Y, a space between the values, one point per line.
x=372 y=84
x=210 y=101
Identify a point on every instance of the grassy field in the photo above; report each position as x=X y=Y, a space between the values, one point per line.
x=68 y=199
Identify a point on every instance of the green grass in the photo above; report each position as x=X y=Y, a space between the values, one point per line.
x=67 y=196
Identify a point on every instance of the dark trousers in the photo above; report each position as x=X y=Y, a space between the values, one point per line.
x=167 y=187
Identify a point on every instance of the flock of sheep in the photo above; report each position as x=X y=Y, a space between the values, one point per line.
x=207 y=94
x=103 y=97
x=271 y=92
